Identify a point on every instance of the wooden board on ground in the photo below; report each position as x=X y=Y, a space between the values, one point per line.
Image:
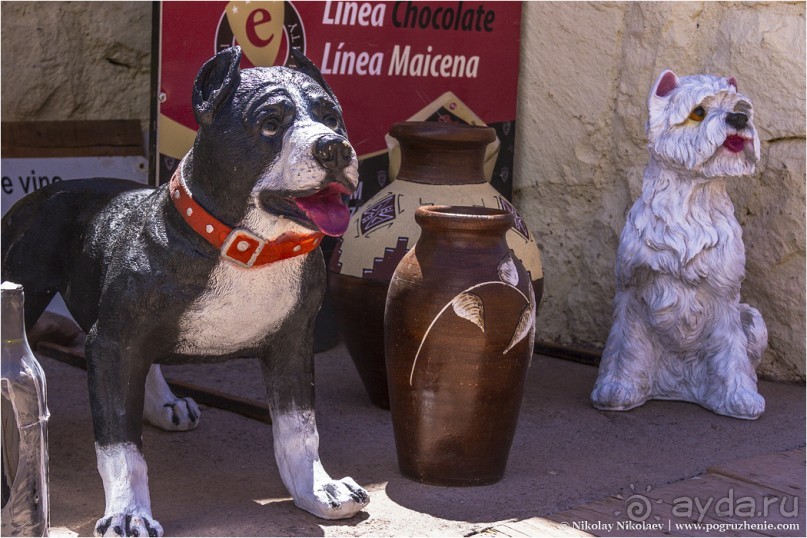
x=538 y=527
x=759 y=496
x=742 y=505
x=779 y=470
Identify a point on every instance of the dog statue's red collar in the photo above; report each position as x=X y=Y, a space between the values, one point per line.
x=237 y=244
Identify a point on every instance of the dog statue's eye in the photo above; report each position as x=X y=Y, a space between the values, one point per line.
x=697 y=114
x=269 y=127
x=331 y=121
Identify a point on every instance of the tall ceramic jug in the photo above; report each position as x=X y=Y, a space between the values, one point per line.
x=459 y=325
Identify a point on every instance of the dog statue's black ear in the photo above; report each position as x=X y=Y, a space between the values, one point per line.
x=299 y=62
x=214 y=83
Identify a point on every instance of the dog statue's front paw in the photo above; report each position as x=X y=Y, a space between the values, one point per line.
x=132 y=524
x=180 y=414
x=336 y=499
x=615 y=395
x=743 y=403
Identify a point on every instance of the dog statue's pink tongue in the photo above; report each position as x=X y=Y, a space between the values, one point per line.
x=326 y=209
x=734 y=143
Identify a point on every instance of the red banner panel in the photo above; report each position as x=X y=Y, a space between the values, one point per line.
x=386 y=62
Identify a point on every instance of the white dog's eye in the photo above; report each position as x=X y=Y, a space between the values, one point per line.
x=331 y=121
x=697 y=114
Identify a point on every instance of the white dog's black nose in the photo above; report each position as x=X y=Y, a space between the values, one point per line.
x=737 y=120
x=333 y=152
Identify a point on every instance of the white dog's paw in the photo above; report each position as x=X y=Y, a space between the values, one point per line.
x=615 y=395
x=743 y=403
x=179 y=414
x=336 y=499
x=133 y=524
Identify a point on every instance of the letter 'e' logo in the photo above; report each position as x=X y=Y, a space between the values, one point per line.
x=264 y=30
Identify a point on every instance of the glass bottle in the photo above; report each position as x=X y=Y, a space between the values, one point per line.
x=25 y=502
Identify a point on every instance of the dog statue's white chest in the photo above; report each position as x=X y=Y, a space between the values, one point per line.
x=240 y=307
x=684 y=231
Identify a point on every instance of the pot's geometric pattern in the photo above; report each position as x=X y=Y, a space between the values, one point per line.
x=373 y=238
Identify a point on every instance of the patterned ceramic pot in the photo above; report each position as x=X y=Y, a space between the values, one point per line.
x=440 y=164
x=459 y=329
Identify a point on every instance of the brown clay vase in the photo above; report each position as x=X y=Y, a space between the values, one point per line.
x=440 y=164
x=459 y=329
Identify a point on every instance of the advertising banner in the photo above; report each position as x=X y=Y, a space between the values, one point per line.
x=386 y=61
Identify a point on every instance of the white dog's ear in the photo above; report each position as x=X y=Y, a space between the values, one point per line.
x=214 y=83
x=664 y=85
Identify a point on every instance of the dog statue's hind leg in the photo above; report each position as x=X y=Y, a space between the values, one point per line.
x=756 y=333
x=736 y=351
x=165 y=410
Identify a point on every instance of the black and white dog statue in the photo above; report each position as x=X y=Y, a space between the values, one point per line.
x=221 y=263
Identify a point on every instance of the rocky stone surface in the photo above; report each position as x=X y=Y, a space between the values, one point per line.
x=586 y=70
x=76 y=60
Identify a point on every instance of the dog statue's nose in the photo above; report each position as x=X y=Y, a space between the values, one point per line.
x=334 y=153
x=737 y=120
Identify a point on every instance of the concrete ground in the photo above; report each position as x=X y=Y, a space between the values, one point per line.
x=221 y=479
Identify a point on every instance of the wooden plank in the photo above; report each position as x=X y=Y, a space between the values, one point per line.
x=508 y=529
x=653 y=516
x=680 y=525
x=598 y=519
x=656 y=510
x=782 y=471
x=498 y=530
x=247 y=407
x=751 y=497
x=538 y=526
x=645 y=523
x=90 y=138
x=727 y=500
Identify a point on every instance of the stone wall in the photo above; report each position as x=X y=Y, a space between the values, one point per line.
x=586 y=70
x=75 y=60
x=585 y=74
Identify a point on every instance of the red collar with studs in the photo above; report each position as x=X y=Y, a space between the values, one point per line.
x=238 y=245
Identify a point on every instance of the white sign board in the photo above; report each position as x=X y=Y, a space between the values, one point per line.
x=21 y=176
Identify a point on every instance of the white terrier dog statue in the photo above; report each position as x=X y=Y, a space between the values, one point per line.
x=679 y=330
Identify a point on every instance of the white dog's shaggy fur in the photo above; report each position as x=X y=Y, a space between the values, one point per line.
x=679 y=330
